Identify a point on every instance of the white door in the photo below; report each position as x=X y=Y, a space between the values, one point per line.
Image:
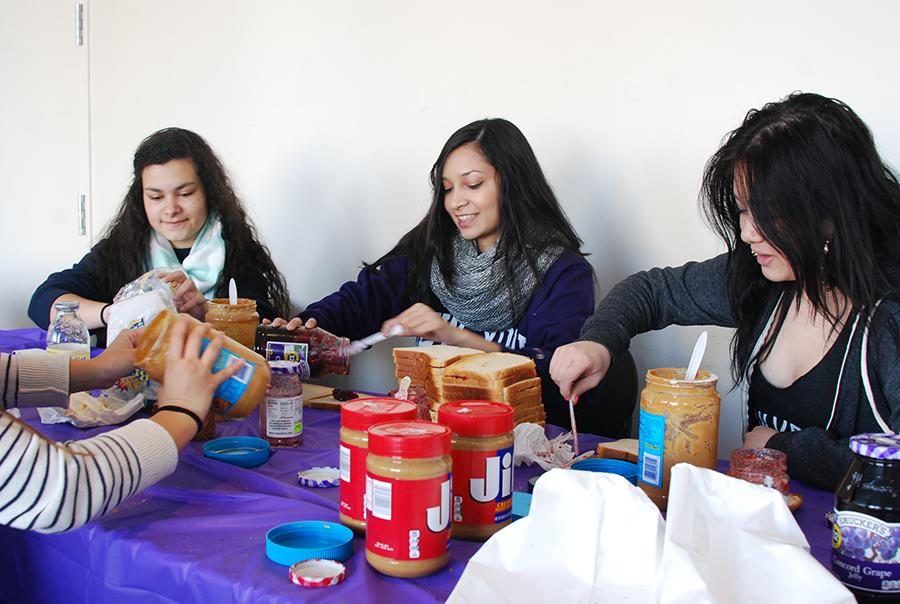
x=44 y=148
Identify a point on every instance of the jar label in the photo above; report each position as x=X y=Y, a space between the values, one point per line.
x=232 y=389
x=408 y=519
x=482 y=486
x=651 y=437
x=353 y=481
x=284 y=416
x=295 y=352
x=866 y=552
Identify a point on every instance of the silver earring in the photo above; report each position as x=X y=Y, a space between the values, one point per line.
x=825 y=248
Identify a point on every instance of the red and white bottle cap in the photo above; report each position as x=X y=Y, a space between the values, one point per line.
x=317 y=573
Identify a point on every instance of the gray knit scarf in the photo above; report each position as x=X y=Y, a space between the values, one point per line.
x=479 y=297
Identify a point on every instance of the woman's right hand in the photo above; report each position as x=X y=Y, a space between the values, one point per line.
x=292 y=324
x=578 y=367
x=189 y=380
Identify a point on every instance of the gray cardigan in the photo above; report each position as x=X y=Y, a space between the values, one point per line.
x=695 y=294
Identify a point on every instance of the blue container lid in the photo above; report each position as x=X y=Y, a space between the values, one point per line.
x=626 y=469
x=244 y=451
x=294 y=542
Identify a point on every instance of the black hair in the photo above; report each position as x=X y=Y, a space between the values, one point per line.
x=811 y=175
x=531 y=218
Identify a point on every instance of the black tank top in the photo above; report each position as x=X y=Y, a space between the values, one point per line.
x=805 y=403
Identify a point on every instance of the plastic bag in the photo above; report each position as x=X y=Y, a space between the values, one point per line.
x=136 y=304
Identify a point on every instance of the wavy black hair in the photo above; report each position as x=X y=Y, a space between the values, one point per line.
x=812 y=175
x=126 y=239
x=531 y=218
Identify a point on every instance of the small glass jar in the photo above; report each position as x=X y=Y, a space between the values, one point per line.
x=237 y=396
x=679 y=422
x=866 y=529
x=482 y=446
x=767 y=467
x=408 y=498
x=318 y=351
x=237 y=321
x=357 y=416
x=281 y=415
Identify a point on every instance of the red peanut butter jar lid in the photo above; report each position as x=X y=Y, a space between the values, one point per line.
x=413 y=439
x=361 y=413
x=476 y=418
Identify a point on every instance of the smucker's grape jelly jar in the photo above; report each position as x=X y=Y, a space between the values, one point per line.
x=866 y=530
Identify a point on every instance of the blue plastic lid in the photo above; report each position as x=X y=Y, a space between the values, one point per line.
x=244 y=451
x=626 y=469
x=294 y=542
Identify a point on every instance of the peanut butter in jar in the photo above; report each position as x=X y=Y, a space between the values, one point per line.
x=408 y=498
x=237 y=321
x=237 y=396
x=679 y=422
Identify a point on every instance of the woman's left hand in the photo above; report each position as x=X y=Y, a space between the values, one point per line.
x=185 y=293
x=758 y=437
x=422 y=321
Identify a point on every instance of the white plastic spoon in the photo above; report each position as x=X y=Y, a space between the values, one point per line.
x=232 y=291
x=696 y=356
x=357 y=346
x=572 y=420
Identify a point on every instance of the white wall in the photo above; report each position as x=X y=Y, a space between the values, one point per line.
x=330 y=114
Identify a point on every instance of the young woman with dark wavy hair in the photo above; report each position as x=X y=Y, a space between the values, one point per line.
x=810 y=215
x=180 y=212
x=494 y=265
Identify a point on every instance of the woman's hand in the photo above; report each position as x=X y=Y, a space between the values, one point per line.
x=578 y=367
x=292 y=324
x=103 y=371
x=189 y=380
x=422 y=321
x=758 y=437
x=186 y=296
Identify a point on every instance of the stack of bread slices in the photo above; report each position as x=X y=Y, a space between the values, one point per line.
x=451 y=373
x=425 y=366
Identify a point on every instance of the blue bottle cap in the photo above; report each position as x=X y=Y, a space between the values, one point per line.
x=294 y=542
x=626 y=469
x=244 y=451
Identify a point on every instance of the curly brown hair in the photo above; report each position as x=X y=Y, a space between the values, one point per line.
x=127 y=237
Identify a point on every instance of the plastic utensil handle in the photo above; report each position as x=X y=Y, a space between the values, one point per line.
x=232 y=291
x=696 y=357
x=572 y=421
x=358 y=346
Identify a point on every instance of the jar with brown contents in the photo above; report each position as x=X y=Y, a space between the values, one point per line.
x=679 y=422
x=237 y=321
x=408 y=498
x=482 y=446
x=237 y=396
x=356 y=418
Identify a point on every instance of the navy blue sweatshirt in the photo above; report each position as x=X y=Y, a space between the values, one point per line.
x=559 y=307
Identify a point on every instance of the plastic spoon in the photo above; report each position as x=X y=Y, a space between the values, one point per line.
x=572 y=421
x=357 y=346
x=232 y=291
x=696 y=356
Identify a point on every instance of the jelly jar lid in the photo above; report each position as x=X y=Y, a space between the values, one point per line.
x=876 y=445
x=284 y=367
x=476 y=418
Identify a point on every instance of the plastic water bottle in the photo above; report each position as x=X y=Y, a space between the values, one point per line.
x=68 y=334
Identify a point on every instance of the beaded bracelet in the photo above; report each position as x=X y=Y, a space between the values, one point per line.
x=187 y=412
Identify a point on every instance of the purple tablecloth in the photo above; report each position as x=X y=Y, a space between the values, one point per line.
x=199 y=535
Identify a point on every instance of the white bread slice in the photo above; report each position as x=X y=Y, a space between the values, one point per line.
x=439 y=355
x=624 y=448
x=490 y=370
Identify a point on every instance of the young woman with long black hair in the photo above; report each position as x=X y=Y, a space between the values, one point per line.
x=810 y=215
x=494 y=265
x=180 y=212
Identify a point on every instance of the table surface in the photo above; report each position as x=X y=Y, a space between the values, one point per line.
x=199 y=535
